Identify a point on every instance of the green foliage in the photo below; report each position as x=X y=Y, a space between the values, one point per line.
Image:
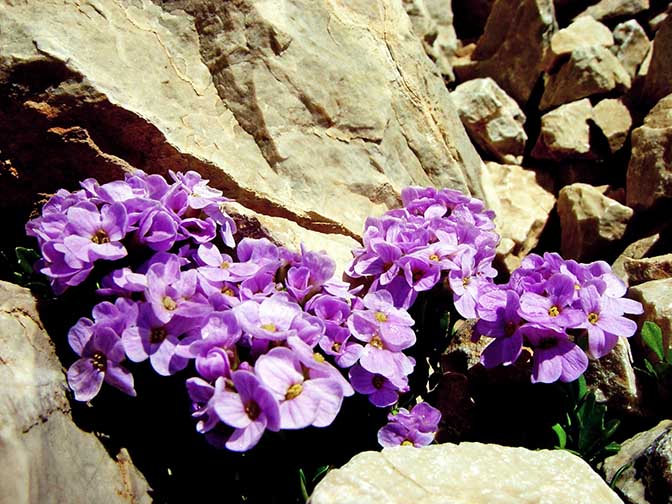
x=306 y=486
x=585 y=430
x=21 y=270
x=661 y=370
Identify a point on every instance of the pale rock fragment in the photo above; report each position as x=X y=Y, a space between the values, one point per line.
x=649 y=175
x=657 y=20
x=468 y=473
x=524 y=202
x=492 y=118
x=565 y=132
x=658 y=82
x=589 y=71
x=631 y=45
x=648 y=268
x=636 y=250
x=613 y=118
x=656 y=298
x=610 y=9
x=584 y=32
x=591 y=222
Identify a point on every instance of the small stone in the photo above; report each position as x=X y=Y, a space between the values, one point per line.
x=589 y=71
x=468 y=473
x=584 y=32
x=492 y=118
x=613 y=118
x=657 y=20
x=565 y=132
x=649 y=175
x=631 y=45
x=524 y=203
x=591 y=223
x=658 y=82
x=656 y=298
x=610 y=9
x=645 y=462
x=647 y=269
x=635 y=250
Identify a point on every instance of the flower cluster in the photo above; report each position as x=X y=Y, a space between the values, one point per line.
x=437 y=235
x=548 y=303
x=410 y=428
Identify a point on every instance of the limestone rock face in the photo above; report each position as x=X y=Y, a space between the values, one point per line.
x=656 y=297
x=658 y=83
x=648 y=478
x=492 y=118
x=565 y=132
x=589 y=71
x=590 y=221
x=512 y=52
x=631 y=45
x=283 y=107
x=609 y=9
x=524 y=203
x=45 y=457
x=614 y=120
x=584 y=32
x=649 y=176
x=468 y=473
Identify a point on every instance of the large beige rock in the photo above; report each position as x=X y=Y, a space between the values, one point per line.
x=613 y=118
x=658 y=83
x=565 y=132
x=609 y=9
x=648 y=268
x=584 y=32
x=591 y=222
x=656 y=297
x=468 y=473
x=649 y=176
x=319 y=113
x=493 y=119
x=512 y=52
x=45 y=457
x=524 y=200
x=589 y=71
x=631 y=45
x=645 y=462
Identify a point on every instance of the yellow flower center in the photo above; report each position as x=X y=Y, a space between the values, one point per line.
x=336 y=347
x=318 y=357
x=269 y=327
x=100 y=237
x=99 y=361
x=406 y=442
x=593 y=318
x=466 y=280
x=225 y=265
x=380 y=316
x=169 y=303
x=434 y=257
x=253 y=410
x=227 y=291
x=293 y=391
x=554 y=311
x=376 y=342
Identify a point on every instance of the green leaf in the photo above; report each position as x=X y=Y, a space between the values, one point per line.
x=618 y=474
x=25 y=258
x=653 y=338
x=650 y=369
x=302 y=482
x=582 y=387
x=561 y=435
x=321 y=473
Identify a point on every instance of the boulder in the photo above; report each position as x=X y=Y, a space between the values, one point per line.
x=565 y=132
x=631 y=45
x=614 y=120
x=610 y=9
x=45 y=457
x=645 y=462
x=584 y=32
x=524 y=202
x=649 y=175
x=282 y=108
x=492 y=118
x=512 y=52
x=648 y=268
x=656 y=297
x=591 y=222
x=658 y=82
x=589 y=71
x=468 y=473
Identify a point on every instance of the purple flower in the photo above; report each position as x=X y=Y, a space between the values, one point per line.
x=101 y=352
x=553 y=310
x=215 y=349
x=382 y=391
x=157 y=228
x=502 y=322
x=410 y=428
x=93 y=234
x=554 y=356
x=269 y=320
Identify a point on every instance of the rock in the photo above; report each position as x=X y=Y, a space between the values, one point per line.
x=657 y=20
x=658 y=82
x=433 y=22
x=565 y=132
x=589 y=71
x=44 y=455
x=492 y=118
x=631 y=45
x=613 y=380
x=436 y=474
x=512 y=52
x=635 y=250
x=610 y=9
x=591 y=223
x=584 y=32
x=647 y=269
x=646 y=460
x=656 y=297
x=281 y=107
x=649 y=175
x=613 y=119
x=524 y=202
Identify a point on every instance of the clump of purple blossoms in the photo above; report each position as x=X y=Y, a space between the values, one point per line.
x=416 y=427
x=438 y=235
x=546 y=306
